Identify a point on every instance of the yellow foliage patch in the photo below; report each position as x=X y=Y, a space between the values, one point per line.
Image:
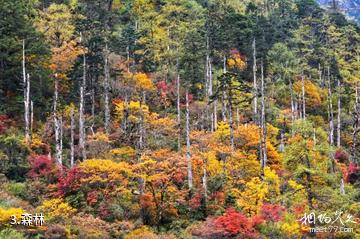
x=142 y=233
x=5 y=214
x=223 y=130
x=143 y=82
x=124 y=152
x=257 y=192
x=56 y=209
x=312 y=92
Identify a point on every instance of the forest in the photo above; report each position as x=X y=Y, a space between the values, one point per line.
x=189 y=119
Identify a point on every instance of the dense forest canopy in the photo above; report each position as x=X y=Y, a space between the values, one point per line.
x=179 y=119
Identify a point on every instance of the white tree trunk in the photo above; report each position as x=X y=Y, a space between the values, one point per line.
x=27 y=109
x=320 y=77
x=296 y=111
x=82 y=135
x=223 y=98
x=92 y=110
x=178 y=110
x=231 y=125
x=355 y=133
x=58 y=152
x=338 y=140
x=61 y=134
x=208 y=85
x=331 y=113
x=237 y=117
x=255 y=90
x=72 y=134
x=282 y=145
x=141 y=125
x=293 y=115
x=26 y=85
x=314 y=136
x=215 y=115
x=303 y=97
x=342 y=187
x=204 y=182
x=106 y=90
x=188 y=154
x=263 y=126
x=31 y=118
x=128 y=59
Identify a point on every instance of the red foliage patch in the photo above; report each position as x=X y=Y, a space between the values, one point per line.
x=195 y=201
x=341 y=156
x=162 y=86
x=299 y=209
x=352 y=174
x=5 y=123
x=178 y=177
x=92 y=197
x=230 y=225
x=67 y=182
x=42 y=167
x=272 y=212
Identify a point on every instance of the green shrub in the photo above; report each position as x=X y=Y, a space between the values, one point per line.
x=17 y=189
x=11 y=233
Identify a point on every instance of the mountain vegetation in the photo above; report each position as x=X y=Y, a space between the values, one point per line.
x=149 y=119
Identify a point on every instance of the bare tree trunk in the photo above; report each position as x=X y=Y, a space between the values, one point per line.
x=92 y=110
x=142 y=127
x=303 y=96
x=300 y=111
x=126 y=112
x=231 y=125
x=282 y=146
x=215 y=115
x=255 y=90
x=31 y=118
x=204 y=182
x=61 y=135
x=212 y=114
x=82 y=134
x=128 y=59
x=140 y=153
x=237 y=118
x=355 y=133
x=342 y=187
x=178 y=110
x=293 y=116
x=331 y=113
x=223 y=98
x=141 y=140
x=322 y=83
x=308 y=182
x=26 y=85
x=263 y=126
x=58 y=153
x=188 y=154
x=210 y=93
x=106 y=90
x=338 y=140
x=208 y=88
x=72 y=129
x=314 y=136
